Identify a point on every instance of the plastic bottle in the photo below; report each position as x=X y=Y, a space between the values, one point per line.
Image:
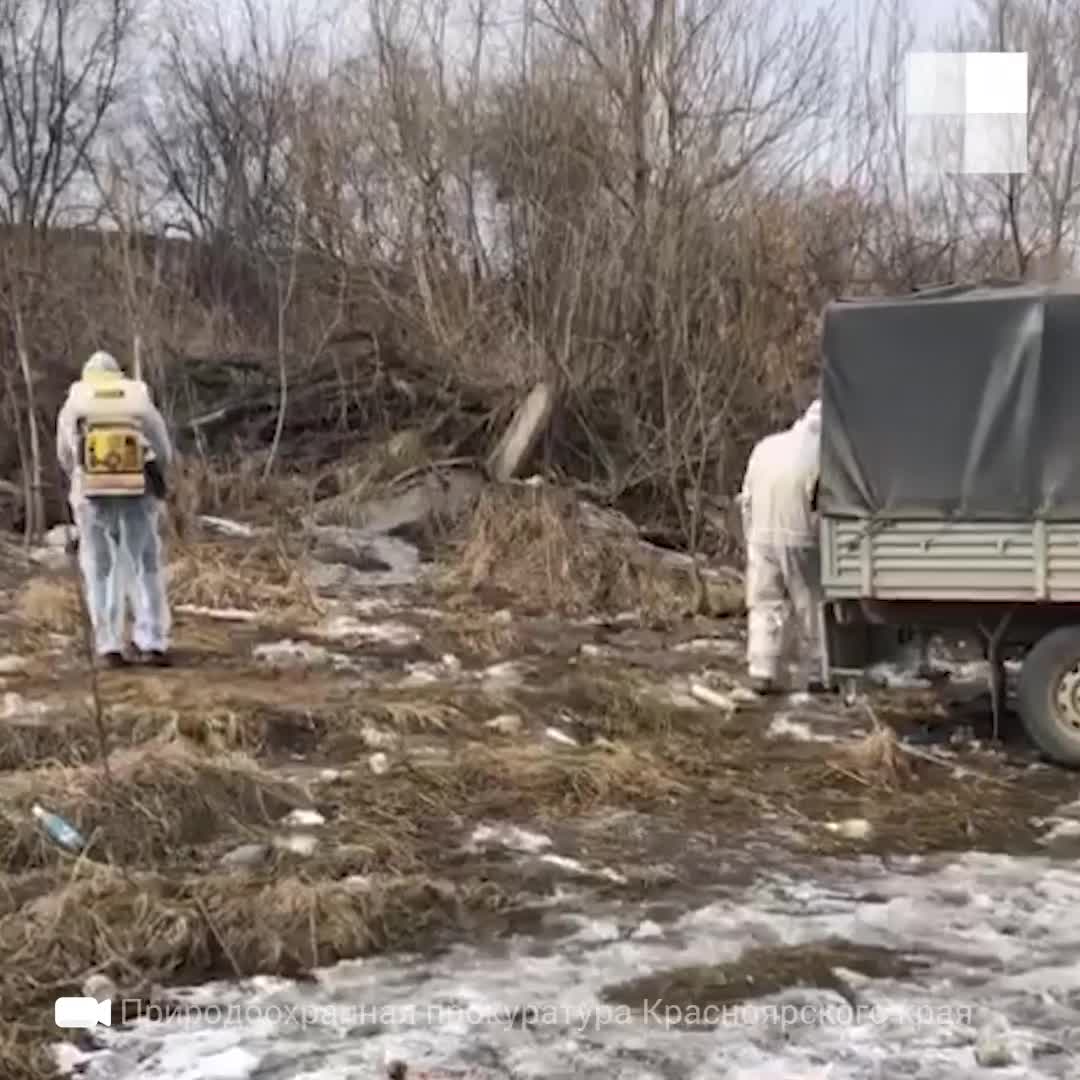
x=65 y=834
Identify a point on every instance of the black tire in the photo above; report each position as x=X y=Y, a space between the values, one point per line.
x=1052 y=726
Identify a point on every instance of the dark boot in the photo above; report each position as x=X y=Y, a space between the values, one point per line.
x=158 y=658
x=765 y=687
x=115 y=660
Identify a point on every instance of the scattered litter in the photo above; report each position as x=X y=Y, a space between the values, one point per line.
x=63 y=832
x=852 y=829
x=299 y=818
x=596 y=652
x=246 y=855
x=800 y=699
x=297 y=843
x=330 y=776
x=450 y=662
x=221 y=614
x=379 y=764
x=503 y=615
x=506 y=724
x=99 y=987
x=783 y=727
x=13 y=665
x=225 y=527
x=509 y=836
x=232 y=1064
x=712 y=697
x=558 y=736
x=993 y=1048
x=647 y=931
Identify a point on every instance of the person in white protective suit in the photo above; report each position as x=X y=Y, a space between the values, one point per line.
x=783 y=557
x=117 y=513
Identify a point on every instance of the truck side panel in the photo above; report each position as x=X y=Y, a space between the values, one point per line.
x=952 y=561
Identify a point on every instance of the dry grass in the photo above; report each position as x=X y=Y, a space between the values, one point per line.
x=50 y=605
x=146 y=930
x=545 y=780
x=253 y=576
x=198 y=486
x=537 y=545
x=876 y=760
x=163 y=797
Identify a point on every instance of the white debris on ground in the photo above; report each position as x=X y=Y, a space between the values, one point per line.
x=783 y=726
x=851 y=829
x=236 y=530
x=347 y=627
x=221 y=614
x=293 y=654
x=13 y=665
x=579 y=869
x=506 y=724
x=297 y=843
x=512 y=837
x=557 y=735
x=300 y=818
x=379 y=764
x=15 y=707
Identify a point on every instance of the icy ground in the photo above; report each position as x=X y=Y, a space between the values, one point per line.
x=999 y=936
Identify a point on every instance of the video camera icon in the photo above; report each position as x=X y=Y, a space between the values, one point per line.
x=82 y=1012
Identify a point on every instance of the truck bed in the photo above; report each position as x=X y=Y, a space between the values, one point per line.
x=951 y=561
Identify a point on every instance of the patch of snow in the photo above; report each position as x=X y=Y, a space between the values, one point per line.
x=998 y=932
x=508 y=836
x=721 y=646
x=298 y=843
x=506 y=724
x=784 y=727
x=291 y=654
x=341 y=627
x=16 y=707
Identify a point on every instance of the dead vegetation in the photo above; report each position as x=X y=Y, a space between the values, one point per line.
x=163 y=799
x=533 y=544
x=146 y=930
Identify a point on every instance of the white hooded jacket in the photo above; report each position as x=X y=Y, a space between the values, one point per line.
x=778 y=488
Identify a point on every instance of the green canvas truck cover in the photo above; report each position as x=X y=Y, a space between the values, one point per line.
x=961 y=403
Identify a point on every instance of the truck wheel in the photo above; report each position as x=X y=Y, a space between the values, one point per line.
x=1049 y=695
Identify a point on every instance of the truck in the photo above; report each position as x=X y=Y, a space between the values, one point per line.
x=949 y=492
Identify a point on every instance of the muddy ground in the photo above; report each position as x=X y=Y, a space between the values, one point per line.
x=329 y=773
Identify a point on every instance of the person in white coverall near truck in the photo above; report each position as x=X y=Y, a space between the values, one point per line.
x=783 y=555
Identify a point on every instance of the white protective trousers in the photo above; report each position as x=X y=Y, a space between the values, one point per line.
x=121 y=563
x=783 y=598
x=783 y=560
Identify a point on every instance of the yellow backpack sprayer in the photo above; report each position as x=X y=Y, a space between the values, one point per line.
x=113 y=453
